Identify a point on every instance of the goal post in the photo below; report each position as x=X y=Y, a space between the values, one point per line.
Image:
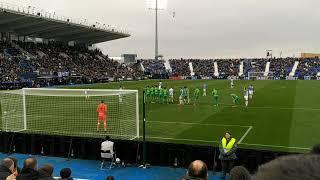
x=70 y=112
x=260 y=75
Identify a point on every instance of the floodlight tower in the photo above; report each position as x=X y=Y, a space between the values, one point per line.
x=156 y=5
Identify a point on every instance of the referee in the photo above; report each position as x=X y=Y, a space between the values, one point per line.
x=227 y=155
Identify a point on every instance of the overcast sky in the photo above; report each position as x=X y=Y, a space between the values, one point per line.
x=202 y=28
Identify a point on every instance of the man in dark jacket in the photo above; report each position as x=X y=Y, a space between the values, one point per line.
x=29 y=170
x=6 y=168
x=46 y=172
x=227 y=147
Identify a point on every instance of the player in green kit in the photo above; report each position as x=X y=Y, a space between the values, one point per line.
x=161 y=95
x=165 y=95
x=215 y=97
x=186 y=95
x=152 y=94
x=235 y=99
x=196 y=96
x=147 y=94
x=156 y=94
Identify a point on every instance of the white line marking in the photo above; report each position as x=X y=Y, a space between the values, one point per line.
x=201 y=124
x=245 y=134
x=270 y=107
x=205 y=141
x=276 y=146
x=177 y=139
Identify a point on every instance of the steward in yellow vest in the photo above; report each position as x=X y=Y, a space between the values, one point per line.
x=227 y=147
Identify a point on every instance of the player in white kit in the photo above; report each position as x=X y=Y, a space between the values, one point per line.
x=204 y=89
x=246 y=97
x=231 y=83
x=171 y=95
x=251 y=91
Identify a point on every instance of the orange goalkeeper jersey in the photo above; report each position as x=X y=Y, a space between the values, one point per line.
x=102 y=109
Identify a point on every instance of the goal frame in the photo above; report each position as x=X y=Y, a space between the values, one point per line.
x=23 y=93
x=260 y=75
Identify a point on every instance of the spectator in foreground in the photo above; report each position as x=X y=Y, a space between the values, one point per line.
x=29 y=170
x=239 y=173
x=293 y=167
x=227 y=155
x=109 y=178
x=16 y=168
x=315 y=149
x=6 y=168
x=65 y=174
x=46 y=172
x=197 y=170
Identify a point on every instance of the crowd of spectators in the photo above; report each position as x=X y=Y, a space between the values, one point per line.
x=228 y=67
x=9 y=170
x=308 y=67
x=180 y=67
x=203 y=68
x=152 y=66
x=56 y=63
x=281 y=67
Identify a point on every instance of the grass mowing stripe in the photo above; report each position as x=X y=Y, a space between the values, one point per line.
x=179 y=139
x=201 y=124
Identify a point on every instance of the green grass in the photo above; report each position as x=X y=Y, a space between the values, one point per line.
x=283 y=115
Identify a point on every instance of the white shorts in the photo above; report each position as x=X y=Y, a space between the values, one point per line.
x=181 y=100
x=246 y=98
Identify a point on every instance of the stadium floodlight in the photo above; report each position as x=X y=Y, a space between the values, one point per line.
x=156 y=5
x=70 y=112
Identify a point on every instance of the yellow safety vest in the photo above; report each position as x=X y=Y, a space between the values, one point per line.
x=228 y=146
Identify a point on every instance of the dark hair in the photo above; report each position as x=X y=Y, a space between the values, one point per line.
x=198 y=169
x=65 y=173
x=102 y=101
x=30 y=163
x=293 y=167
x=315 y=149
x=109 y=178
x=239 y=173
x=107 y=138
x=7 y=162
x=46 y=169
x=15 y=161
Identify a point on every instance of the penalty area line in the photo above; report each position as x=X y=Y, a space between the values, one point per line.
x=178 y=139
x=245 y=135
x=276 y=146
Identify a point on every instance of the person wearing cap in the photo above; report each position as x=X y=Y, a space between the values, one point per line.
x=227 y=155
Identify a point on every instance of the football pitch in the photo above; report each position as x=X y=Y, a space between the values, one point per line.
x=282 y=116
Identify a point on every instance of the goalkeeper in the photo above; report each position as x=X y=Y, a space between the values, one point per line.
x=196 y=96
x=235 y=99
x=215 y=97
x=102 y=110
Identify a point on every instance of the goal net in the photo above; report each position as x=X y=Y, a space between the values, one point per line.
x=260 y=75
x=70 y=112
